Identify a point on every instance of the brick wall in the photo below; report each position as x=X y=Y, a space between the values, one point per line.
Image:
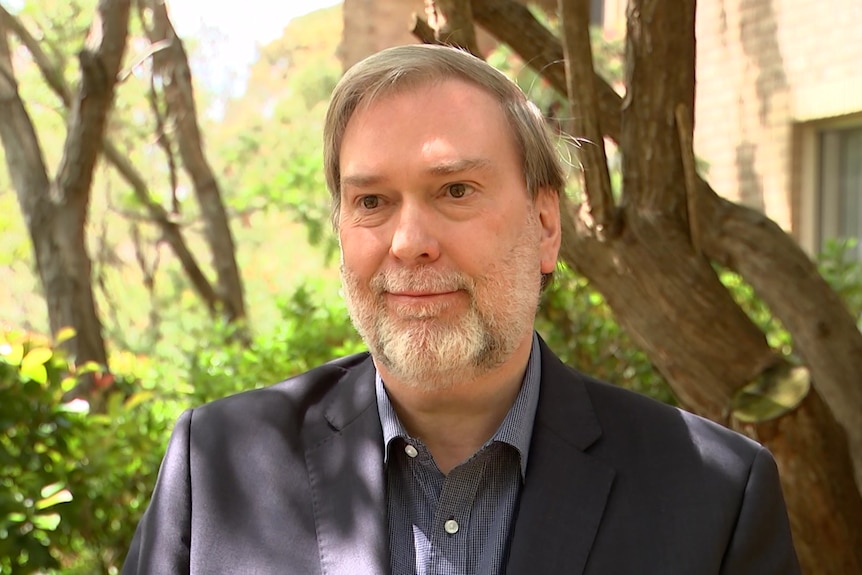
x=766 y=70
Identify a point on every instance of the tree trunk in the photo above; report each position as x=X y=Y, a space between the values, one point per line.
x=171 y=63
x=56 y=212
x=810 y=449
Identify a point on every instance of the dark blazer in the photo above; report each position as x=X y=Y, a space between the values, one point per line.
x=289 y=479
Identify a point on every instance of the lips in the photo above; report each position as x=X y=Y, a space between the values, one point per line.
x=420 y=285
x=418 y=294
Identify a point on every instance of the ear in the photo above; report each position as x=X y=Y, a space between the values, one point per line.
x=547 y=206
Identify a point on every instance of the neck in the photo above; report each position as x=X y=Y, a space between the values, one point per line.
x=456 y=421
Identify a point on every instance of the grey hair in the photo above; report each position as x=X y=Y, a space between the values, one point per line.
x=405 y=67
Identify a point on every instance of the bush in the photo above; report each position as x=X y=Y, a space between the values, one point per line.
x=310 y=333
x=74 y=483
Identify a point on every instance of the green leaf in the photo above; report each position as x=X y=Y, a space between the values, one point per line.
x=89 y=367
x=36 y=356
x=138 y=398
x=51 y=489
x=12 y=353
x=62 y=496
x=64 y=335
x=47 y=522
x=35 y=372
x=68 y=383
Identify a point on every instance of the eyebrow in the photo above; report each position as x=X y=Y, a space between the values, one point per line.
x=444 y=168
x=460 y=165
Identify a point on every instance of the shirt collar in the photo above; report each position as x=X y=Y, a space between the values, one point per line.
x=516 y=428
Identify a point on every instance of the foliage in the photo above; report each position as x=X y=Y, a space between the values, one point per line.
x=74 y=483
x=310 y=333
x=837 y=266
x=843 y=271
x=272 y=132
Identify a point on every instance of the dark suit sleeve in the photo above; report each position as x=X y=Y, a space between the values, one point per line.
x=761 y=543
x=162 y=539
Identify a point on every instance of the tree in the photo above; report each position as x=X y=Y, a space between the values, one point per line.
x=653 y=253
x=57 y=219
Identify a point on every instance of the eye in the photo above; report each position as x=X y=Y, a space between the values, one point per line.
x=369 y=202
x=457 y=190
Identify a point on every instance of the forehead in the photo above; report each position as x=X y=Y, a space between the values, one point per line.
x=450 y=113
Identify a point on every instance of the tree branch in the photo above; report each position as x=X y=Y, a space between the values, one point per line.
x=580 y=75
x=170 y=231
x=749 y=243
x=515 y=25
x=660 y=75
x=423 y=32
x=50 y=72
x=100 y=63
x=24 y=157
x=692 y=181
x=164 y=142
x=452 y=23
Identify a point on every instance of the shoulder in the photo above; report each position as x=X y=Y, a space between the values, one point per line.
x=288 y=400
x=637 y=433
x=622 y=411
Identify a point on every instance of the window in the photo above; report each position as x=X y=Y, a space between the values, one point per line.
x=839 y=185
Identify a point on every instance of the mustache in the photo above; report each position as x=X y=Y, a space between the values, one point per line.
x=421 y=279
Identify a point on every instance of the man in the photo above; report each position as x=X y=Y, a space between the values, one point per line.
x=461 y=444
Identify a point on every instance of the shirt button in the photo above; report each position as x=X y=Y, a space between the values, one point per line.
x=411 y=452
x=451 y=527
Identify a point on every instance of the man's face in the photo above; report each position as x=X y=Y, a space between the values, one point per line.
x=442 y=247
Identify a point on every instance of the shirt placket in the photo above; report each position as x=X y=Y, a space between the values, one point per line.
x=452 y=515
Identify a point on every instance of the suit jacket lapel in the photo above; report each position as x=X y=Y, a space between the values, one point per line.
x=344 y=454
x=565 y=491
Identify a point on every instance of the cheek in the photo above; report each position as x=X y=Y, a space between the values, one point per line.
x=361 y=253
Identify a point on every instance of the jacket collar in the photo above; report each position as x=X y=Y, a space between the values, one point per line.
x=566 y=489
x=344 y=455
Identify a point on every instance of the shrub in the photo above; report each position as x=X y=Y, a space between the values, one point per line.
x=74 y=483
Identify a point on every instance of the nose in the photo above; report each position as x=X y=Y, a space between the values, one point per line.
x=414 y=240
